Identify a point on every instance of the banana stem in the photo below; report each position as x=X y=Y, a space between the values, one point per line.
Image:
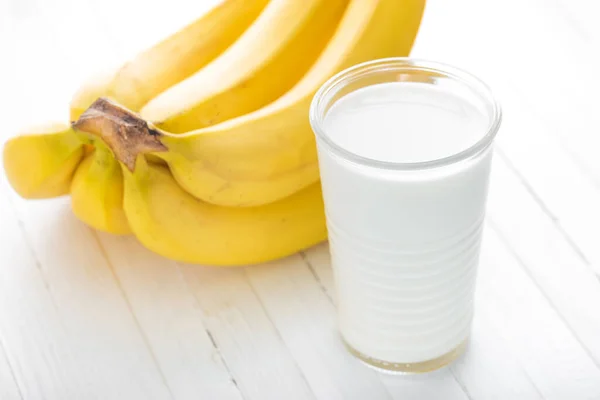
x=123 y=131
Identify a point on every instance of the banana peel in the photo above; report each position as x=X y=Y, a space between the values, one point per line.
x=173 y=223
x=247 y=188
x=40 y=163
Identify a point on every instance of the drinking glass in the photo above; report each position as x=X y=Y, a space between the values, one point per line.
x=405 y=230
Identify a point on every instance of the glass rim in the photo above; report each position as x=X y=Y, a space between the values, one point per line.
x=321 y=100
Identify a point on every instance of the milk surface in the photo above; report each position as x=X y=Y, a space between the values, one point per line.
x=404 y=243
x=404 y=122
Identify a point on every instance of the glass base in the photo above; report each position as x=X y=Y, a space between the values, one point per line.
x=409 y=368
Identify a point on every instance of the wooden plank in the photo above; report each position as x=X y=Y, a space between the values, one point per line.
x=70 y=329
x=550 y=260
x=552 y=356
x=489 y=369
x=252 y=348
x=560 y=186
x=171 y=320
x=305 y=320
x=9 y=389
x=35 y=339
x=96 y=325
x=429 y=386
x=554 y=177
x=32 y=334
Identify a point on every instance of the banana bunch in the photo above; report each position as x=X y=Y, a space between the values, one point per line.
x=201 y=146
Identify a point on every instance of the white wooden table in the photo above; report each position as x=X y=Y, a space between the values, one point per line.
x=85 y=315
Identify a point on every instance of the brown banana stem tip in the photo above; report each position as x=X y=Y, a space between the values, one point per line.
x=123 y=131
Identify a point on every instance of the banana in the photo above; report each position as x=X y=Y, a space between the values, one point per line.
x=173 y=60
x=97 y=192
x=171 y=222
x=97 y=188
x=270 y=154
x=264 y=161
x=40 y=163
x=264 y=63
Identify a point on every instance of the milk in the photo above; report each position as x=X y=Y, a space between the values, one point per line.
x=404 y=122
x=404 y=237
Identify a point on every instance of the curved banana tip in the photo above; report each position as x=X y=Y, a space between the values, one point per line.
x=40 y=166
x=15 y=172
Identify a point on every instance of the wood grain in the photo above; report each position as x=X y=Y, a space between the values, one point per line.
x=251 y=346
x=9 y=389
x=171 y=320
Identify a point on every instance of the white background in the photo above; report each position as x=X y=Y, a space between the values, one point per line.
x=85 y=315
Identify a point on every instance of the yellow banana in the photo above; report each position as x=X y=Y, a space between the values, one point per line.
x=170 y=221
x=40 y=164
x=173 y=223
x=265 y=62
x=265 y=160
x=97 y=192
x=270 y=154
x=173 y=60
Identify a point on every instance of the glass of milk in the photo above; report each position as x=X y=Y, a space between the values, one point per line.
x=404 y=151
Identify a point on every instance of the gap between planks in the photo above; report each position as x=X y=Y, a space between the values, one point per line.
x=143 y=335
x=10 y=390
